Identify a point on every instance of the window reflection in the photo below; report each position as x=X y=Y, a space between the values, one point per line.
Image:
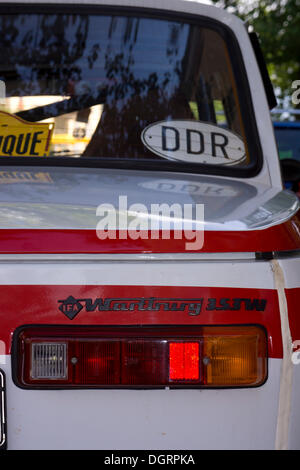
x=103 y=79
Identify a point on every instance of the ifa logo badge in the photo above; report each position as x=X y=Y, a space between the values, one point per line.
x=70 y=307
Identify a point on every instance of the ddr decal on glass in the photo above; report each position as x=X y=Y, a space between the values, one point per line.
x=194 y=142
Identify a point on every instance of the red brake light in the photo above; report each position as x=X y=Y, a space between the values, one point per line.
x=184 y=361
x=145 y=357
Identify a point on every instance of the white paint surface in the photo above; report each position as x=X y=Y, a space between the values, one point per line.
x=143 y=419
x=251 y=274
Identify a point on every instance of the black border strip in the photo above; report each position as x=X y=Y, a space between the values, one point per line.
x=240 y=75
x=3 y=419
x=269 y=255
x=18 y=330
x=272 y=101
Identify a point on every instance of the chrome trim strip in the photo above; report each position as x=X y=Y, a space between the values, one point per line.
x=3 y=436
x=117 y=257
x=144 y=257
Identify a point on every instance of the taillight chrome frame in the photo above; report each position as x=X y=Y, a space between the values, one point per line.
x=179 y=333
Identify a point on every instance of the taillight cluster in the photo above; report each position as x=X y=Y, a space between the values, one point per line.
x=139 y=357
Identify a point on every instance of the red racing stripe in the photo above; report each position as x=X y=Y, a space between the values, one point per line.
x=140 y=305
x=285 y=236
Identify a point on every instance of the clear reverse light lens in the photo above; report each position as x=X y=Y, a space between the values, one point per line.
x=49 y=361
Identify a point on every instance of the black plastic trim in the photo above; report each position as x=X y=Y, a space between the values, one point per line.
x=287 y=254
x=269 y=255
x=272 y=101
x=264 y=256
x=240 y=75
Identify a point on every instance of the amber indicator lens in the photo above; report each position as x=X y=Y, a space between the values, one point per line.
x=235 y=357
x=146 y=357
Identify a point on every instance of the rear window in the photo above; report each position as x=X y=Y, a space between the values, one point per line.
x=111 y=88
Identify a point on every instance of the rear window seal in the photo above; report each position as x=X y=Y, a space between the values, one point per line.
x=239 y=71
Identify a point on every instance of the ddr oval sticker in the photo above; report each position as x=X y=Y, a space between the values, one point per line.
x=194 y=142
x=22 y=138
